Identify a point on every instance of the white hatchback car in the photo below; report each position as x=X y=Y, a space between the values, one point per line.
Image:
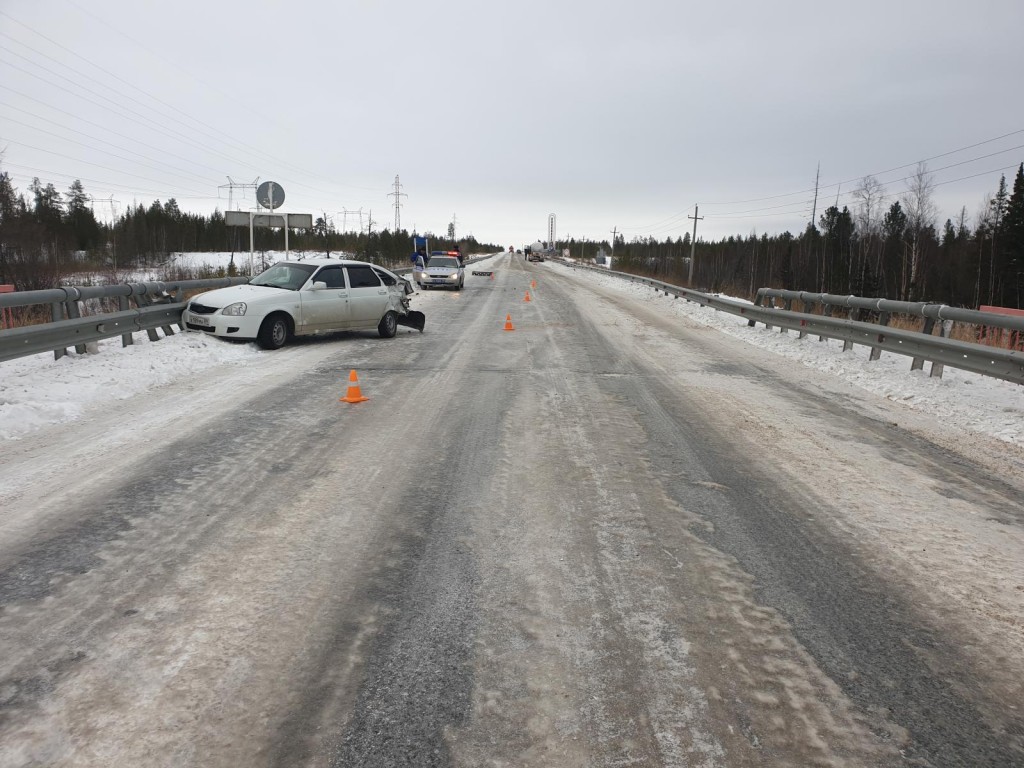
x=301 y=298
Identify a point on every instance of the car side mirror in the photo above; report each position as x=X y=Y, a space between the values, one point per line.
x=319 y=286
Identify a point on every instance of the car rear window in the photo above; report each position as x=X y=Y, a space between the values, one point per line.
x=443 y=261
x=362 y=276
x=385 y=278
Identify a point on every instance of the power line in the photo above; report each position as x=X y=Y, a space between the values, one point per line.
x=183 y=174
x=666 y=223
x=97 y=125
x=222 y=137
x=86 y=162
x=878 y=173
x=41 y=172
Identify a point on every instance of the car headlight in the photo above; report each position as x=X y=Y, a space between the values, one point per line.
x=453 y=276
x=236 y=309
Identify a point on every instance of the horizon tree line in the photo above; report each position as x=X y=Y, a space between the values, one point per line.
x=46 y=236
x=897 y=252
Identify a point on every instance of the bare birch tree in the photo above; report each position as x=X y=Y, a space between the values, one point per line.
x=921 y=213
x=869 y=194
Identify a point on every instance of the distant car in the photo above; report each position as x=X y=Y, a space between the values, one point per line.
x=301 y=298
x=444 y=270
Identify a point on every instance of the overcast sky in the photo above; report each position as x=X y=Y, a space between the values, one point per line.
x=608 y=114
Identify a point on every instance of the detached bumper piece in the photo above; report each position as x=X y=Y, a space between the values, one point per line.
x=482 y=274
x=413 y=319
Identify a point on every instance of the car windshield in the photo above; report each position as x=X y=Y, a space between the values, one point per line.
x=284 y=275
x=443 y=261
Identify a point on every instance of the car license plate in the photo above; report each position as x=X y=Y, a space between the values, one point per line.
x=439 y=280
x=197 y=320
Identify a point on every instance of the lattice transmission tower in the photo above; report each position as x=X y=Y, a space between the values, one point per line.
x=398 y=194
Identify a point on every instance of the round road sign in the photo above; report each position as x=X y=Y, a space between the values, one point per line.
x=270 y=195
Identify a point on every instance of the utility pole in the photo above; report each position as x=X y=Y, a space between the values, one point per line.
x=398 y=194
x=232 y=185
x=814 y=210
x=369 y=222
x=693 y=243
x=615 y=234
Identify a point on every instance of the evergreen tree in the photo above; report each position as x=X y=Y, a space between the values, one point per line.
x=85 y=230
x=1013 y=244
x=997 y=209
x=891 y=264
x=47 y=206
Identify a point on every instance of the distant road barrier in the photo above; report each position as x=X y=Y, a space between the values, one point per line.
x=919 y=345
x=157 y=305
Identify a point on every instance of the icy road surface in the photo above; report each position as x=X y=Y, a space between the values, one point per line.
x=611 y=537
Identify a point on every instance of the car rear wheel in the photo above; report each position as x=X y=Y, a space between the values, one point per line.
x=274 y=332
x=388 y=325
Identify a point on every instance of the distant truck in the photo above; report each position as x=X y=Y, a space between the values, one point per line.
x=536 y=251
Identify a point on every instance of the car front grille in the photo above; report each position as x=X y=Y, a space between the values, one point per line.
x=201 y=309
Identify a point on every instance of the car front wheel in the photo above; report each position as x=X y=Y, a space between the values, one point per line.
x=274 y=332
x=388 y=325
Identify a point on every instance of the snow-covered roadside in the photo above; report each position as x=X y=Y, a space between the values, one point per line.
x=961 y=399
x=39 y=391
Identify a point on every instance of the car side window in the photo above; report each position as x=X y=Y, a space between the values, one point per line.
x=362 y=277
x=333 y=276
x=385 y=278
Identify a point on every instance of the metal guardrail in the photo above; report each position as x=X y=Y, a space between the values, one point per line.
x=157 y=305
x=886 y=307
x=921 y=346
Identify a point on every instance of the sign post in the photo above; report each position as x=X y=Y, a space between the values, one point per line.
x=270 y=196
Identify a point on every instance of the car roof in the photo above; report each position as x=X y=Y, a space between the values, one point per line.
x=325 y=262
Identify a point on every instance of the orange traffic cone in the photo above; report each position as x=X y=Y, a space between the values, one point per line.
x=492 y=275
x=508 y=323
x=533 y=283
x=354 y=394
x=527 y=297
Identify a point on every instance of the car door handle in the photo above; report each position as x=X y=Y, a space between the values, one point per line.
x=382 y=293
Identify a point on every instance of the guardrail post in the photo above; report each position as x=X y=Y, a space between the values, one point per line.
x=809 y=309
x=944 y=330
x=757 y=303
x=56 y=316
x=788 y=306
x=855 y=316
x=123 y=304
x=917 y=364
x=75 y=314
x=826 y=313
x=142 y=300
x=876 y=352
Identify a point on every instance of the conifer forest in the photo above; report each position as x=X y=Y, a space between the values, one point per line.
x=882 y=247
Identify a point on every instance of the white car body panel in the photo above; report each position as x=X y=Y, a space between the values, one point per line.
x=311 y=309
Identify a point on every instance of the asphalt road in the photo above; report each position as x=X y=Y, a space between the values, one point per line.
x=603 y=539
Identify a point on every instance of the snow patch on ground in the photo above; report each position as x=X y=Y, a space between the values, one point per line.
x=962 y=399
